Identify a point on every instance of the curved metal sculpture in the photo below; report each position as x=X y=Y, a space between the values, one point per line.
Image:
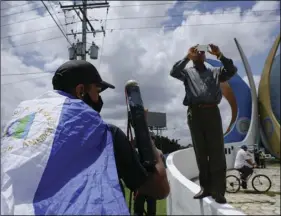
x=243 y=128
x=269 y=102
x=238 y=95
x=275 y=87
x=253 y=134
x=230 y=97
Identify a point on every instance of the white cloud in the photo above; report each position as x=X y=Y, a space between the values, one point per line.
x=146 y=55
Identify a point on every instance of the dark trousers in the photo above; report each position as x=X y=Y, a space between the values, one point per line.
x=257 y=159
x=262 y=162
x=139 y=205
x=245 y=172
x=205 y=125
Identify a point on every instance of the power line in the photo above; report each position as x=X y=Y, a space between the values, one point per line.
x=20 y=12
x=17 y=5
x=155 y=27
x=32 y=9
x=147 y=17
x=156 y=4
x=48 y=27
x=35 y=42
x=48 y=39
x=34 y=18
x=123 y=6
x=192 y=25
x=50 y=72
x=194 y=14
x=41 y=7
x=20 y=81
x=30 y=73
x=55 y=13
x=56 y=22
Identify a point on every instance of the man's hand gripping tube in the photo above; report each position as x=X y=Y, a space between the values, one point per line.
x=138 y=120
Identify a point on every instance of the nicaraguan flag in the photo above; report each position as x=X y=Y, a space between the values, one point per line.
x=57 y=159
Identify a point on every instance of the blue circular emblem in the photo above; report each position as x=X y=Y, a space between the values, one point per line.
x=268 y=127
x=243 y=125
x=20 y=128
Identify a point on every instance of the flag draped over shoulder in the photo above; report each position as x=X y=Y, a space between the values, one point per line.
x=58 y=158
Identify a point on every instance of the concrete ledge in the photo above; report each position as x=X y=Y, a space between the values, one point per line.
x=181 y=166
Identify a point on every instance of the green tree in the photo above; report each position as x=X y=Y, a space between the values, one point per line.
x=167 y=145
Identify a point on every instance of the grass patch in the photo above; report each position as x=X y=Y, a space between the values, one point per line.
x=160 y=207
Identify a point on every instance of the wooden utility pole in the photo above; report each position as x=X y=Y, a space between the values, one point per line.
x=84 y=32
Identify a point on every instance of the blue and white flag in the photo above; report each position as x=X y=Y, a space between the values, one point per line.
x=57 y=159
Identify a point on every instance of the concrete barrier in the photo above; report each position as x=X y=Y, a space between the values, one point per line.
x=182 y=168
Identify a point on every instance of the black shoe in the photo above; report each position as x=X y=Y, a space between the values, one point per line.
x=219 y=198
x=244 y=185
x=202 y=194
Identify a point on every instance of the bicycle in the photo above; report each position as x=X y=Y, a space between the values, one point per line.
x=233 y=186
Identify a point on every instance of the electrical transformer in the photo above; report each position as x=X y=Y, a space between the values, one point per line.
x=72 y=53
x=94 y=51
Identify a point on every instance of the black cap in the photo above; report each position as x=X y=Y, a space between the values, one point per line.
x=75 y=72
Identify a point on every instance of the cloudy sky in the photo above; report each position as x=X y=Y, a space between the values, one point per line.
x=143 y=41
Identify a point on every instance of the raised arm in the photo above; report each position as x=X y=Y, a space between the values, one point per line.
x=157 y=185
x=178 y=70
x=228 y=69
x=133 y=173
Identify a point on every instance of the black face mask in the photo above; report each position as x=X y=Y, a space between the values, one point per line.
x=96 y=106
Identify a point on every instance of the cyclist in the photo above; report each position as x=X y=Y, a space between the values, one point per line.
x=60 y=158
x=244 y=164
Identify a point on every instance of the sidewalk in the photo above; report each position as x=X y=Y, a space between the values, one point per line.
x=252 y=203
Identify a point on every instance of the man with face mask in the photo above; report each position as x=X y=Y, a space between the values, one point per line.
x=60 y=158
x=203 y=94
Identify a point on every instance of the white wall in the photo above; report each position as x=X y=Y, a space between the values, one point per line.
x=181 y=168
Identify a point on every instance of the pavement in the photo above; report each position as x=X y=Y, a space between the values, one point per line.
x=253 y=203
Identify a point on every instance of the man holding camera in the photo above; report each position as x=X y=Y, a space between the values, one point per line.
x=203 y=94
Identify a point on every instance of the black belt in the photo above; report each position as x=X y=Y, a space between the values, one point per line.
x=203 y=105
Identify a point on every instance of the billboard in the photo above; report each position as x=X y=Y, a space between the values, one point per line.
x=156 y=119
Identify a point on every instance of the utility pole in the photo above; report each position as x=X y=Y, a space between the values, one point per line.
x=84 y=33
x=79 y=48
